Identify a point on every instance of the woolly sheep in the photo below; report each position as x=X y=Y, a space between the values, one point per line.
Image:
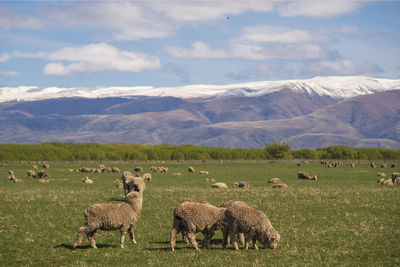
x=193 y=217
x=43 y=174
x=219 y=185
x=381 y=174
x=203 y=172
x=11 y=175
x=108 y=217
x=254 y=224
x=147 y=177
x=115 y=169
x=383 y=165
x=46 y=166
x=210 y=180
x=87 y=180
x=240 y=236
x=280 y=186
x=274 y=181
x=387 y=182
x=35 y=167
x=380 y=180
x=127 y=176
x=372 y=165
x=243 y=184
x=395 y=175
x=138 y=169
x=137 y=184
x=352 y=165
x=32 y=173
x=305 y=175
x=190 y=169
x=43 y=181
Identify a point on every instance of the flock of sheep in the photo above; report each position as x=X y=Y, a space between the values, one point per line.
x=236 y=219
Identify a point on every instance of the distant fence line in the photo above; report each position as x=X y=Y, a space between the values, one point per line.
x=119 y=151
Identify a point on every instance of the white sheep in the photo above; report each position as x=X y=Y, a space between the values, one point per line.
x=108 y=217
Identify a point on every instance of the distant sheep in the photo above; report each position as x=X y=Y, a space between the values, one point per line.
x=118 y=183
x=194 y=217
x=381 y=174
x=372 y=165
x=380 y=180
x=32 y=173
x=395 y=175
x=177 y=173
x=35 y=167
x=387 y=182
x=108 y=217
x=43 y=181
x=219 y=185
x=159 y=169
x=138 y=169
x=203 y=172
x=254 y=224
x=305 y=175
x=210 y=180
x=43 y=174
x=11 y=175
x=115 y=169
x=280 y=186
x=274 y=181
x=190 y=169
x=46 y=166
x=383 y=165
x=87 y=180
x=147 y=177
x=352 y=165
x=393 y=165
x=243 y=184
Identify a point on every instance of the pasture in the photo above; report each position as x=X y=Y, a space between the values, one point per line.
x=343 y=218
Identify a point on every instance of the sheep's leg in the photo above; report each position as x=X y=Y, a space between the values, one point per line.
x=247 y=240
x=123 y=231
x=240 y=236
x=192 y=240
x=173 y=238
x=225 y=237
x=91 y=238
x=184 y=237
x=79 y=238
x=255 y=243
x=132 y=235
x=232 y=232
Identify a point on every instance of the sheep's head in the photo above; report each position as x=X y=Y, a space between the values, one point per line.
x=271 y=239
x=132 y=196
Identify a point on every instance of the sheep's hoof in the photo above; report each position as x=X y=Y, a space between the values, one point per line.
x=172 y=249
x=134 y=242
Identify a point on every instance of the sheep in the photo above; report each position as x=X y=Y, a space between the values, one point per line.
x=43 y=174
x=136 y=184
x=253 y=223
x=395 y=175
x=193 y=217
x=118 y=183
x=16 y=180
x=115 y=169
x=43 y=181
x=396 y=180
x=380 y=180
x=387 y=182
x=372 y=165
x=226 y=237
x=35 y=167
x=127 y=176
x=108 y=217
x=219 y=185
x=352 y=165
x=190 y=169
x=381 y=174
x=11 y=175
x=87 y=180
x=305 y=175
x=203 y=172
x=32 y=173
x=280 y=186
x=71 y=170
x=383 y=165
x=243 y=184
x=210 y=180
x=138 y=169
x=274 y=181
x=46 y=166
x=177 y=173
x=147 y=177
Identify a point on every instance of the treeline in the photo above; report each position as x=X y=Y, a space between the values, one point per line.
x=125 y=152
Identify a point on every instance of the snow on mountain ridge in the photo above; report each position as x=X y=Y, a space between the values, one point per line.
x=334 y=86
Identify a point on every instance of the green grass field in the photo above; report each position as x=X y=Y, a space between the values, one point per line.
x=344 y=218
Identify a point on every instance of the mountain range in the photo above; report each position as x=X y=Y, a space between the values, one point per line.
x=353 y=111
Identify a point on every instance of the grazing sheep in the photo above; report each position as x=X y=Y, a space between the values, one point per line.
x=380 y=180
x=396 y=180
x=210 y=180
x=16 y=180
x=35 y=167
x=242 y=184
x=138 y=169
x=219 y=185
x=108 y=217
x=115 y=169
x=372 y=165
x=240 y=236
x=381 y=174
x=193 y=217
x=11 y=175
x=87 y=180
x=46 y=166
x=383 y=165
x=177 y=173
x=280 y=186
x=190 y=169
x=43 y=174
x=274 y=181
x=395 y=175
x=43 y=181
x=203 y=172
x=254 y=224
x=118 y=183
x=32 y=173
x=159 y=169
x=147 y=177
x=387 y=182
x=305 y=175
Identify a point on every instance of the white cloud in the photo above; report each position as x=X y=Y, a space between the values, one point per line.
x=319 y=9
x=9 y=19
x=340 y=67
x=4 y=57
x=279 y=34
x=199 y=50
x=9 y=73
x=93 y=58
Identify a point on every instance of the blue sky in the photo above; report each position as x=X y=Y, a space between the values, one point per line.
x=171 y=43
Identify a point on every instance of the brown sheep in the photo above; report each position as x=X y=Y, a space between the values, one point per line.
x=108 y=217
x=253 y=223
x=352 y=165
x=193 y=217
x=219 y=185
x=274 y=181
x=280 y=186
x=383 y=165
x=305 y=175
x=242 y=184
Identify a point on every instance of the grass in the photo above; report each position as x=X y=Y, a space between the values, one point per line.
x=344 y=218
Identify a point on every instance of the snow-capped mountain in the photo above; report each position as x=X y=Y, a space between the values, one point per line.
x=340 y=87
